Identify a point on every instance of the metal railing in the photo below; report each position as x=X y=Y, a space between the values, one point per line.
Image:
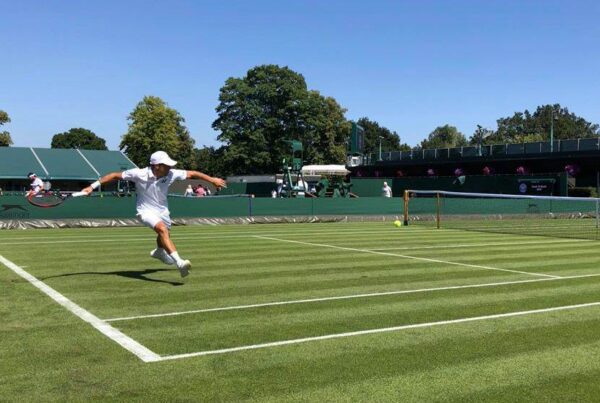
x=571 y=145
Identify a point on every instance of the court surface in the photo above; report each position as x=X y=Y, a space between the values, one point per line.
x=299 y=312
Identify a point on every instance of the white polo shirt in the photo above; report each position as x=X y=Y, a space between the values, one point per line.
x=37 y=185
x=152 y=192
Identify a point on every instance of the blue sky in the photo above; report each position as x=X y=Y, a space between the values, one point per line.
x=409 y=65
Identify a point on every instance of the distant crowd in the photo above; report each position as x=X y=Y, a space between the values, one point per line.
x=197 y=191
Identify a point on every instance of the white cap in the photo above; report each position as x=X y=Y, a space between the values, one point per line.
x=161 y=157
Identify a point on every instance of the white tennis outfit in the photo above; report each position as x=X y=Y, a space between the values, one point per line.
x=36 y=185
x=152 y=205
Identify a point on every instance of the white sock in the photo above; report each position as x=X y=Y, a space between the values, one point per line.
x=176 y=257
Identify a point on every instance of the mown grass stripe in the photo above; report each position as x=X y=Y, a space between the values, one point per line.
x=376 y=331
x=406 y=256
x=342 y=297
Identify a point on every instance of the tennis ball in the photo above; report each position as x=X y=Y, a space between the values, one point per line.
x=398 y=223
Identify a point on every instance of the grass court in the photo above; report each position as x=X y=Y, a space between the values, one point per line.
x=299 y=312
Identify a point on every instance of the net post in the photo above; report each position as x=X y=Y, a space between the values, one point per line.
x=405 y=207
x=437 y=210
x=597 y=215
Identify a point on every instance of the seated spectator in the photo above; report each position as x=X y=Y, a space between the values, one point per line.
x=200 y=192
x=189 y=192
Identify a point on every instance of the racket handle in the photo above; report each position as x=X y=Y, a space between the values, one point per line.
x=78 y=194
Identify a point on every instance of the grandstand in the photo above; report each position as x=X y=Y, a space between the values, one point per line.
x=67 y=169
x=498 y=168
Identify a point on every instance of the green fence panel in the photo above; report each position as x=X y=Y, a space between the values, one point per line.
x=281 y=206
x=209 y=207
x=361 y=206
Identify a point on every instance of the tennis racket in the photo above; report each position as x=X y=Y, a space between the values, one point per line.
x=52 y=199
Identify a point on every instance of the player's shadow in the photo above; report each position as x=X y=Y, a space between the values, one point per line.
x=134 y=274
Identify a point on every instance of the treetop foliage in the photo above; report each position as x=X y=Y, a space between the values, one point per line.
x=258 y=113
x=5 y=140
x=153 y=126
x=78 y=138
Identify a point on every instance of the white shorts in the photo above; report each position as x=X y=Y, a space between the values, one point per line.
x=151 y=218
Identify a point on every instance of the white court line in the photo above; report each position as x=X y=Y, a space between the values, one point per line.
x=541 y=242
x=188 y=235
x=406 y=256
x=375 y=331
x=199 y=236
x=115 y=335
x=343 y=297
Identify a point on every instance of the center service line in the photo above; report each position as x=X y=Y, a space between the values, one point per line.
x=405 y=256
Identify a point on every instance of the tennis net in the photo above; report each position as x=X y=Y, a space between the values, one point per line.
x=553 y=216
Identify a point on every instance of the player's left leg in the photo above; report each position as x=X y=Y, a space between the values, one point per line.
x=166 y=250
x=164 y=239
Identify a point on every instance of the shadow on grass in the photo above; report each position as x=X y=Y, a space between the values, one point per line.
x=133 y=274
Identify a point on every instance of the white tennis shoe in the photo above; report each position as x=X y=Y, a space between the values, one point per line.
x=184 y=267
x=162 y=255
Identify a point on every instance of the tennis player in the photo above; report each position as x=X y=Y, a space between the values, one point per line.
x=36 y=184
x=152 y=186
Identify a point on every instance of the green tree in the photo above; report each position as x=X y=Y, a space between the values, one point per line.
x=480 y=135
x=78 y=138
x=5 y=139
x=271 y=104
x=154 y=126
x=323 y=130
x=210 y=161
x=527 y=127
x=390 y=141
x=444 y=137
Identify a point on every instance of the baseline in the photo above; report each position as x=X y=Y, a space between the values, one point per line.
x=115 y=335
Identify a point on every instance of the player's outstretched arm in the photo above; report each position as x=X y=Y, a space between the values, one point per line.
x=218 y=182
x=114 y=176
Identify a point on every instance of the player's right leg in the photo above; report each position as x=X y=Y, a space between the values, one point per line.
x=160 y=224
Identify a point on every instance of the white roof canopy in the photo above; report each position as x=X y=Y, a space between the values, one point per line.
x=324 y=170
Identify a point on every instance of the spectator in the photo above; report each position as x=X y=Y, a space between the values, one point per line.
x=189 y=192
x=200 y=192
x=386 y=191
x=207 y=191
x=36 y=184
x=274 y=194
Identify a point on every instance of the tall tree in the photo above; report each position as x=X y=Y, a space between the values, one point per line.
x=5 y=139
x=480 y=135
x=390 y=141
x=526 y=127
x=210 y=161
x=271 y=104
x=153 y=126
x=444 y=137
x=323 y=130
x=78 y=138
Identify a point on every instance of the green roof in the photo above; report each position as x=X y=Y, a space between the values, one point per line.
x=61 y=164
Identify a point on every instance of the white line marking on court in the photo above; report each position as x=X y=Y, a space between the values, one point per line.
x=407 y=256
x=190 y=235
x=175 y=237
x=375 y=331
x=342 y=297
x=115 y=335
x=542 y=243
